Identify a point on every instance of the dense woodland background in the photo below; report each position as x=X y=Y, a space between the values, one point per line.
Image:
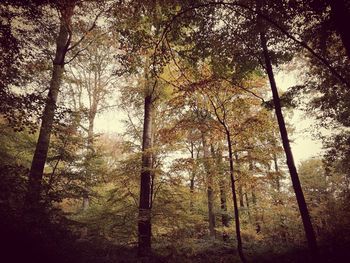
x=202 y=170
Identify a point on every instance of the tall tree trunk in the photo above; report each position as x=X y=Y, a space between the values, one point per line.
x=192 y=190
x=210 y=193
x=144 y=219
x=33 y=195
x=154 y=157
x=235 y=205
x=340 y=15
x=222 y=186
x=309 y=231
x=193 y=175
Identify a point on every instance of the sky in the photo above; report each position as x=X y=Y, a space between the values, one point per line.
x=304 y=146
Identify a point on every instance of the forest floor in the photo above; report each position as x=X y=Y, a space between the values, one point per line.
x=215 y=252
x=53 y=243
x=20 y=247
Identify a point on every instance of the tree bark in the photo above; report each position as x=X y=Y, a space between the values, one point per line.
x=309 y=231
x=33 y=195
x=341 y=17
x=223 y=198
x=235 y=205
x=239 y=180
x=144 y=220
x=193 y=175
x=210 y=193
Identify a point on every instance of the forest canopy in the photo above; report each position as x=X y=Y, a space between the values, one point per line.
x=200 y=166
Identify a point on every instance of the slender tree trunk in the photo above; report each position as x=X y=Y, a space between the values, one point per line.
x=223 y=198
x=223 y=205
x=144 y=220
x=193 y=175
x=211 y=214
x=239 y=180
x=192 y=190
x=235 y=205
x=222 y=187
x=309 y=231
x=33 y=195
x=210 y=193
x=340 y=14
x=154 y=157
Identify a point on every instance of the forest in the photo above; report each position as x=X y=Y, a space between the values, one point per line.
x=162 y=131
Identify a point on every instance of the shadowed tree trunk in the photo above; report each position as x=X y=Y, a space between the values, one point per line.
x=33 y=195
x=210 y=193
x=222 y=186
x=234 y=196
x=309 y=231
x=144 y=219
x=193 y=175
x=222 y=120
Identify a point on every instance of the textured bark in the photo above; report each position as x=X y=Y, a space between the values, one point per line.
x=144 y=220
x=340 y=15
x=304 y=212
x=234 y=197
x=33 y=196
x=210 y=193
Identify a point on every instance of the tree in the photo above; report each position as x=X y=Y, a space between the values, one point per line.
x=310 y=235
x=92 y=76
x=63 y=45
